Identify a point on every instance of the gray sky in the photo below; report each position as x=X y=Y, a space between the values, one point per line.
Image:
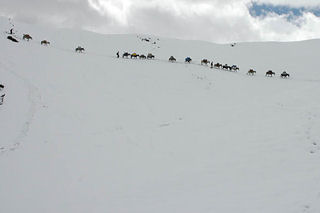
x=211 y=20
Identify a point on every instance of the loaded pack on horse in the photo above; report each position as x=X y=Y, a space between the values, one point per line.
x=205 y=61
x=270 y=73
x=79 y=49
x=234 y=68
x=126 y=54
x=142 y=56
x=172 y=59
x=150 y=56
x=188 y=60
x=217 y=65
x=26 y=37
x=45 y=42
x=251 y=72
x=226 y=67
x=134 y=55
x=284 y=75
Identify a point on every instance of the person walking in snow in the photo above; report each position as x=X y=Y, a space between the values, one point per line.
x=2 y=99
x=1 y=94
x=118 y=54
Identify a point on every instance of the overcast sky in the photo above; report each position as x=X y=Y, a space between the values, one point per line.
x=212 y=20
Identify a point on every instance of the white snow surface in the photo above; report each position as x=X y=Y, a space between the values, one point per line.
x=89 y=132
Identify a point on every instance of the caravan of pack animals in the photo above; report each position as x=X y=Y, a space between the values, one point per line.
x=206 y=62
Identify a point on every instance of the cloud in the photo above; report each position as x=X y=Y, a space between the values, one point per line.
x=277 y=28
x=212 y=20
x=65 y=13
x=292 y=3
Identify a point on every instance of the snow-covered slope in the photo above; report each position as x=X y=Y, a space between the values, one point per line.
x=93 y=133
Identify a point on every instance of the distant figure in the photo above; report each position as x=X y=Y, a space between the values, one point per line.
x=11 y=31
x=2 y=95
x=1 y=99
x=118 y=54
x=211 y=65
x=12 y=39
